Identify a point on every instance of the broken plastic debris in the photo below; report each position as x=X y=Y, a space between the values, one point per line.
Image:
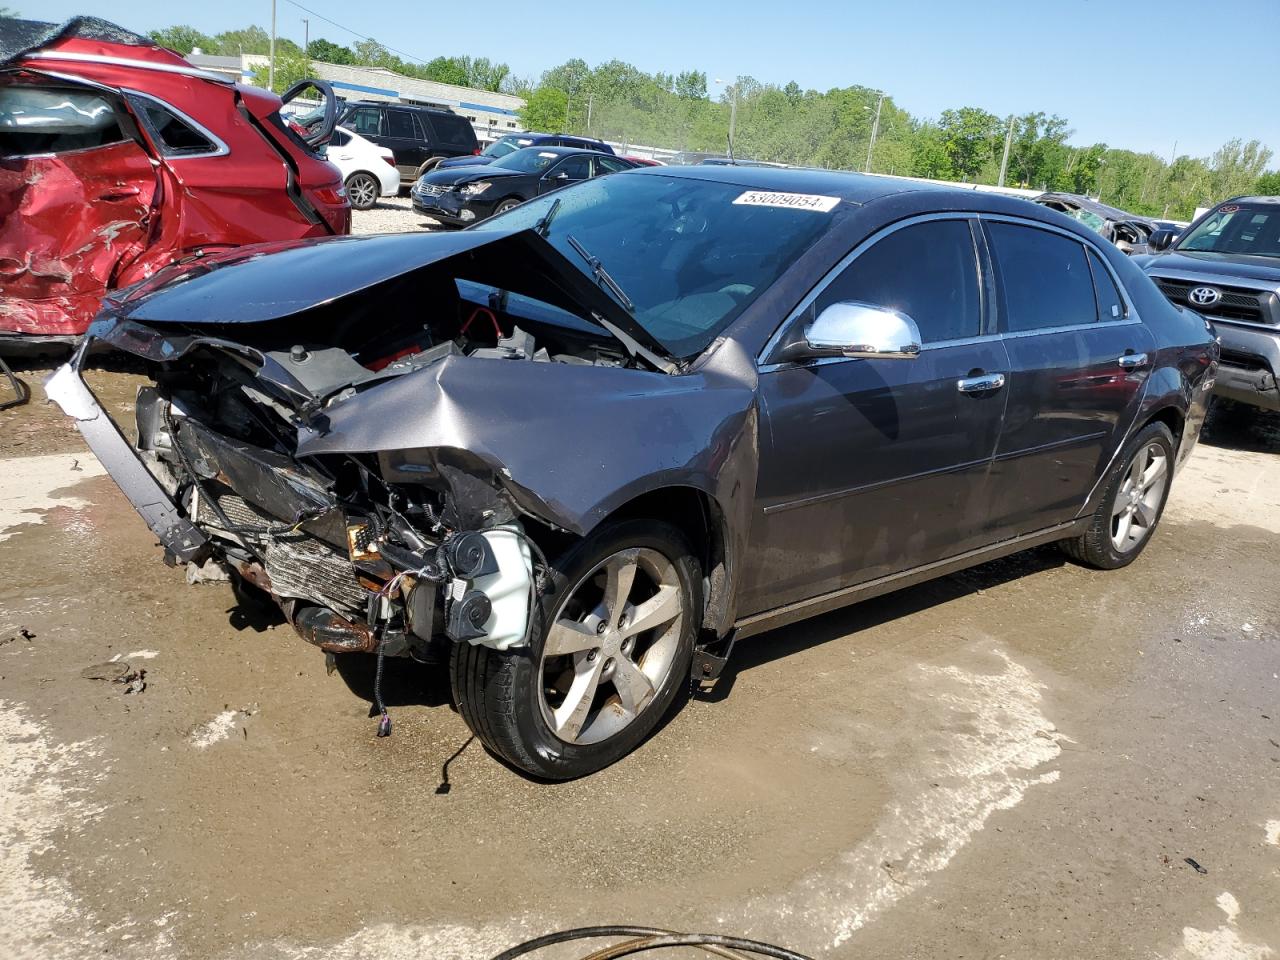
x=1195 y=866
x=115 y=671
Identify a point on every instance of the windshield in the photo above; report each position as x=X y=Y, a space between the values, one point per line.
x=1237 y=228
x=690 y=254
x=500 y=148
x=528 y=160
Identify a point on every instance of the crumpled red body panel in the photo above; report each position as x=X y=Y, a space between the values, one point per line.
x=71 y=225
x=79 y=224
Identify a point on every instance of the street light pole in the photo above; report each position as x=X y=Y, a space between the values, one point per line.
x=875 y=128
x=306 y=48
x=271 y=53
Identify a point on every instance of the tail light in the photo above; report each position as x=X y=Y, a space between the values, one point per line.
x=475 y=152
x=334 y=195
x=391 y=161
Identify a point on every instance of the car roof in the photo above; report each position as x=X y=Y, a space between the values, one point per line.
x=855 y=187
x=1253 y=200
x=400 y=105
x=562 y=151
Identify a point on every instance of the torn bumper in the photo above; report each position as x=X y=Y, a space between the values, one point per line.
x=179 y=536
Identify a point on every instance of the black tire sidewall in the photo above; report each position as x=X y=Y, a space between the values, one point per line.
x=553 y=757
x=510 y=203
x=1106 y=554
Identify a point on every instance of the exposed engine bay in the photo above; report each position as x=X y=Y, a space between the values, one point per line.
x=356 y=563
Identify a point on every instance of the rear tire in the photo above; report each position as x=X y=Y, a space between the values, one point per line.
x=586 y=692
x=1132 y=503
x=362 y=190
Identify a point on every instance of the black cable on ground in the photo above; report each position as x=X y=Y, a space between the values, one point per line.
x=654 y=939
x=21 y=392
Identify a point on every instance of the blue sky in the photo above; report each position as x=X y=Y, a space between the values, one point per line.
x=1131 y=74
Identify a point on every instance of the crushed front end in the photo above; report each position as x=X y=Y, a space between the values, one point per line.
x=356 y=564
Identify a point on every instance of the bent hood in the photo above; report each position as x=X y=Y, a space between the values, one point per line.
x=274 y=281
x=1224 y=265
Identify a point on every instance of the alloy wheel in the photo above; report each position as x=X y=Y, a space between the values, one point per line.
x=1137 y=504
x=362 y=191
x=611 y=647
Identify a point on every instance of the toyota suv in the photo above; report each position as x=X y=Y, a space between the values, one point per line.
x=1226 y=266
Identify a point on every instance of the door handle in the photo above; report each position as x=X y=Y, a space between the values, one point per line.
x=982 y=384
x=1131 y=361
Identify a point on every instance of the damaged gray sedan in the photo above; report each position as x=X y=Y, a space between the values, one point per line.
x=576 y=452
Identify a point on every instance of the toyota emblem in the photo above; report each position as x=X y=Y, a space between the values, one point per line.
x=1204 y=296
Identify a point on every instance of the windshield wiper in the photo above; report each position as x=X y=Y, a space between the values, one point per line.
x=601 y=274
x=544 y=224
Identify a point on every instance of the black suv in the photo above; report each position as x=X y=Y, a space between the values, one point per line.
x=420 y=137
x=1226 y=266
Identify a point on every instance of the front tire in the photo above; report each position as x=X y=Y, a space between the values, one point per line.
x=609 y=655
x=1131 y=504
x=508 y=204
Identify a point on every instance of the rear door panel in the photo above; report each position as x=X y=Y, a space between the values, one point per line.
x=73 y=223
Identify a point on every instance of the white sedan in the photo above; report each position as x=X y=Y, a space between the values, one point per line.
x=368 y=170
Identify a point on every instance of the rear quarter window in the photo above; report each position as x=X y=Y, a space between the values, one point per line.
x=452 y=130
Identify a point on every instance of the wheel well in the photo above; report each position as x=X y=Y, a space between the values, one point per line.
x=700 y=519
x=1172 y=418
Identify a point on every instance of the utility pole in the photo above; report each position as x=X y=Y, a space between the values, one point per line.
x=306 y=48
x=271 y=53
x=875 y=128
x=733 y=117
x=1008 y=142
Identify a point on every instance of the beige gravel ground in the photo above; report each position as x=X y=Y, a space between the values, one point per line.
x=391 y=215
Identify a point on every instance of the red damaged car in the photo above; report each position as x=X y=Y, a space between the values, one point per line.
x=118 y=157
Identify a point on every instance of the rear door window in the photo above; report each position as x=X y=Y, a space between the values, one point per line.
x=400 y=125
x=366 y=121
x=1110 y=303
x=38 y=119
x=929 y=271
x=1045 y=276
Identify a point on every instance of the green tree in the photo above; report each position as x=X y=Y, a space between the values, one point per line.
x=6 y=12
x=483 y=74
x=691 y=85
x=249 y=40
x=291 y=66
x=971 y=138
x=328 y=52
x=183 y=39
x=1268 y=184
x=545 y=109
x=447 y=70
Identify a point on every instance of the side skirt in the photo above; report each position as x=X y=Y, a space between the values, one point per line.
x=781 y=616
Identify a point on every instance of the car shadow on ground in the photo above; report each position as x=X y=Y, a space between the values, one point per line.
x=868 y=614
x=1234 y=426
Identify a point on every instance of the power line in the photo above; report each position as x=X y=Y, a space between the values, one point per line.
x=354 y=33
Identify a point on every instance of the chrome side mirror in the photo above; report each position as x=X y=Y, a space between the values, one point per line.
x=849 y=329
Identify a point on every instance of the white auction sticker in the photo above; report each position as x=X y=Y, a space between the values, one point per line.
x=791 y=201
